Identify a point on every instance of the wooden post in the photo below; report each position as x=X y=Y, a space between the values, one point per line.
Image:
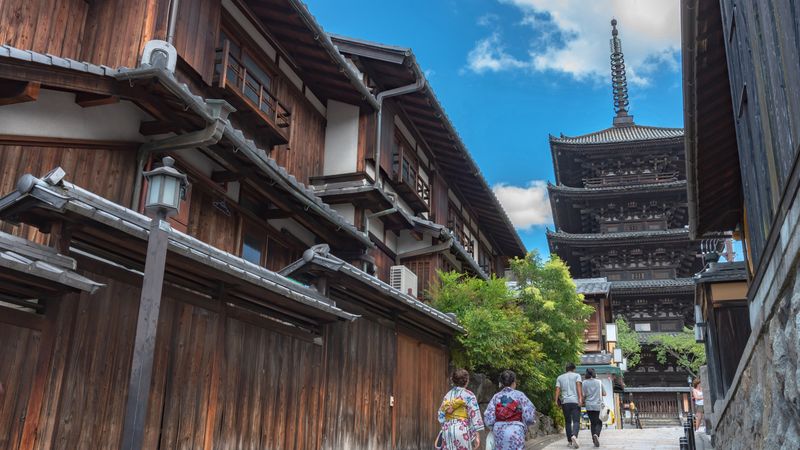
x=144 y=345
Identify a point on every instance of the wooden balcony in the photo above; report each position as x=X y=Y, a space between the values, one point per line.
x=415 y=190
x=630 y=179
x=255 y=103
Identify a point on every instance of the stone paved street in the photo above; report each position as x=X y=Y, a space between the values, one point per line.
x=627 y=439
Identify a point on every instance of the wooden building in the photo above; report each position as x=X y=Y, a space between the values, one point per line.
x=619 y=207
x=278 y=327
x=741 y=82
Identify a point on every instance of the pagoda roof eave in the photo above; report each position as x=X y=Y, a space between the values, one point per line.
x=615 y=135
x=654 y=286
x=569 y=191
x=678 y=234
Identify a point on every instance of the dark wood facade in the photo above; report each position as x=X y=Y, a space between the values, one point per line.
x=740 y=98
x=239 y=362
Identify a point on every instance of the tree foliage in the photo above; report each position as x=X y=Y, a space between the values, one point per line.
x=533 y=329
x=682 y=346
x=628 y=342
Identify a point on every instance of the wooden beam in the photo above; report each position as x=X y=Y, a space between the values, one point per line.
x=88 y=100
x=12 y=92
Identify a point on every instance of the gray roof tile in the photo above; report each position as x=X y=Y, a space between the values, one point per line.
x=588 y=286
x=652 y=284
x=630 y=133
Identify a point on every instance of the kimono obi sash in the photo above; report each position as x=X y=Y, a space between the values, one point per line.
x=508 y=410
x=455 y=409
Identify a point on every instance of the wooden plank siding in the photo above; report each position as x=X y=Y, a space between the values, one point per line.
x=45 y=26
x=425 y=269
x=196 y=34
x=360 y=366
x=420 y=382
x=19 y=351
x=109 y=173
x=304 y=156
x=761 y=47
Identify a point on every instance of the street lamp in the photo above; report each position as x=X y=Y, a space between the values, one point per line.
x=165 y=189
x=611 y=332
x=617 y=355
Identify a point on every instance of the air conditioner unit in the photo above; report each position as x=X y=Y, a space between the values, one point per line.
x=404 y=280
x=161 y=54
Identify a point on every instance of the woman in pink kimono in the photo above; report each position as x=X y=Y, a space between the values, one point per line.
x=509 y=414
x=460 y=416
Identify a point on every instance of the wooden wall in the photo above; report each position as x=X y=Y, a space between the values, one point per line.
x=196 y=34
x=425 y=269
x=109 y=173
x=218 y=382
x=360 y=366
x=46 y=26
x=764 y=69
x=305 y=154
x=420 y=382
x=210 y=224
x=20 y=346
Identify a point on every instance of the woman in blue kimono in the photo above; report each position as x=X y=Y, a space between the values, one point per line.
x=509 y=414
x=460 y=416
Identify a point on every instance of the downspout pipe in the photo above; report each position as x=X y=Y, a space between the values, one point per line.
x=173 y=20
x=396 y=92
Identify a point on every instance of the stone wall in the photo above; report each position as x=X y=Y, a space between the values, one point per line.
x=764 y=410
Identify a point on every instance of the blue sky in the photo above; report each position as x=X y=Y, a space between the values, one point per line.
x=510 y=72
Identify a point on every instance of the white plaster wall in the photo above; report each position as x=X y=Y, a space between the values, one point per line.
x=56 y=115
x=346 y=210
x=376 y=226
x=297 y=230
x=407 y=243
x=391 y=240
x=341 y=139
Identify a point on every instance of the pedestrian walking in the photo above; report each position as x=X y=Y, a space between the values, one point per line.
x=570 y=396
x=697 y=395
x=460 y=416
x=593 y=393
x=509 y=414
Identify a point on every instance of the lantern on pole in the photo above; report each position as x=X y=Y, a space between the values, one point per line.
x=166 y=187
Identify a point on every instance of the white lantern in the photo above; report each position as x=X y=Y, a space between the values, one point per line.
x=166 y=188
x=617 y=355
x=611 y=332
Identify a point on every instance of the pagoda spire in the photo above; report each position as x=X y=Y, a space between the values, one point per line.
x=619 y=81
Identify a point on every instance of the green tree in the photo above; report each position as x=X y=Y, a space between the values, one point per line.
x=682 y=346
x=533 y=329
x=628 y=341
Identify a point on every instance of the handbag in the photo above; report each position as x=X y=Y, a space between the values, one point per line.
x=490 y=440
x=604 y=413
x=438 y=444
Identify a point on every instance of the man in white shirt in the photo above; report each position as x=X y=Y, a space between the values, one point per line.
x=570 y=396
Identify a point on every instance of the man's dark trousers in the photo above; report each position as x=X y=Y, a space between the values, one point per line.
x=572 y=419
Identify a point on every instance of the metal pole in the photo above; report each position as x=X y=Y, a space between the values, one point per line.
x=684 y=444
x=691 y=431
x=145 y=342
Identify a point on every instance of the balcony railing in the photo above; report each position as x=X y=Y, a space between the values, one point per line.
x=408 y=180
x=639 y=178
x=231 y=74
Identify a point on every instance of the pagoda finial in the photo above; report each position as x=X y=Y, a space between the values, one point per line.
x=619 y=81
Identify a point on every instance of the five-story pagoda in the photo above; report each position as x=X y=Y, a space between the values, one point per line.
x=620 y=210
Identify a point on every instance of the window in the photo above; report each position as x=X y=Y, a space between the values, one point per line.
x=254 y=247
x=637 y=276
x=642 y=326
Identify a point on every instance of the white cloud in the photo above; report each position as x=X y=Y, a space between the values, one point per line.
x=526 y=206
x=649 y=29
x=489 y=55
